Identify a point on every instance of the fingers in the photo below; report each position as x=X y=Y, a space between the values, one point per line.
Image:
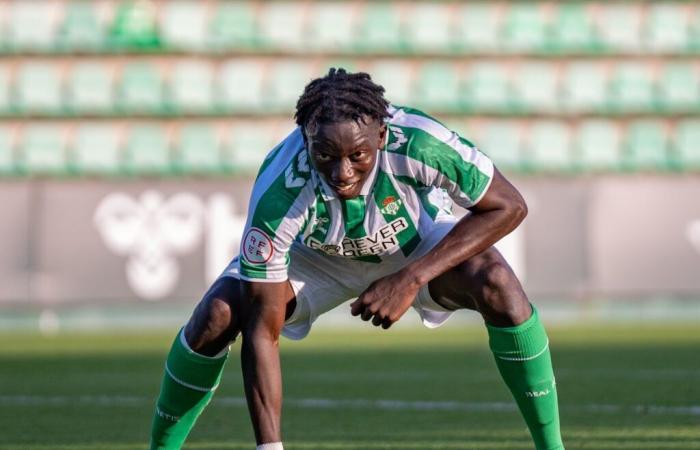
x=380 y=318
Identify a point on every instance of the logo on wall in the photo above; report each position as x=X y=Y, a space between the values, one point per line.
x=693 y=234
x=150 y=231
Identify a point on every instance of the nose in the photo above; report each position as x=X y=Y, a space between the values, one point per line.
x=342 y=172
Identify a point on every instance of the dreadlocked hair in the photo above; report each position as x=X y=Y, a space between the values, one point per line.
x=340 y=96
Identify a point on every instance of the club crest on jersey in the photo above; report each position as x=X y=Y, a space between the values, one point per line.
x=391 y=205
x=257 y=246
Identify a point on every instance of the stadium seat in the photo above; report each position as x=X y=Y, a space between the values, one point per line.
x=536 y=87
x=573 y=29
x=687 y=145
x=437 y=87
x=198 y=150
x=631 y=88
x=281 y=25
x=192 y=87
x=427 y=28
x=502 y=141
x=232 y=26
x=95 y=149
x=141 y=88
x=488 y=87
x=183 y=24
x=90 y=89
x=42 y=150
x=7 y=157
x=396 y=77
x=478 y=27
x=146 y=150
x=240 y=85
x=5 y=97
x=135 y=26
x=31 y=24
x=331 y=26
x=379 y=28
x=525 y=29
x=585 y=87
x=38 y=88
x=550 y=146
x=679 y=87
x=247 y=145
x=619 y=27
x=81 y=29
x=646 y=146
x=667 y=28
x=598 y=145
x=285 y=84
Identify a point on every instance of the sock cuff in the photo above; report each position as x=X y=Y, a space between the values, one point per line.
x=522 y=342
x=270 y=446
x=192 y=370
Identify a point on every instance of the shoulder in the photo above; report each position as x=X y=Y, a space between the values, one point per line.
x=286 y=166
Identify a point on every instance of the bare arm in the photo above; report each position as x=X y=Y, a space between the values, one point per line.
x=498 y=213
x=264 y=314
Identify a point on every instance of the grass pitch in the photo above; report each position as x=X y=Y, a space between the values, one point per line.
x=630 y=388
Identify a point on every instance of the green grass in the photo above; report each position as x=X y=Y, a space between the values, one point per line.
x=620 y=387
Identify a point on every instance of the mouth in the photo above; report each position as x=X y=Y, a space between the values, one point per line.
x=344 y=188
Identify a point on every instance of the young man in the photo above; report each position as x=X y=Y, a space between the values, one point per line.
x=355 y=203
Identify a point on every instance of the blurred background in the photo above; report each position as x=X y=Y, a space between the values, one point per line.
x=131 y=132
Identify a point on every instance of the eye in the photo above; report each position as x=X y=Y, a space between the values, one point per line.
x=322 y=157
x=358 y=155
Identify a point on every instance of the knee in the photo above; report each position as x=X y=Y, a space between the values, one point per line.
x=501 y=299
x=214 y=323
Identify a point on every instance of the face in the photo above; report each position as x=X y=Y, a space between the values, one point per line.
x=345 y=153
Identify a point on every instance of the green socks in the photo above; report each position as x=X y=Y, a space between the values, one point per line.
x=522 y=356
x=188 y=384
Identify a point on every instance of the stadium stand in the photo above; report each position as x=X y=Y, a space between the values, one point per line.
x=554 y=73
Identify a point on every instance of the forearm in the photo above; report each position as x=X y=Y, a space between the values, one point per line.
x=262 y=378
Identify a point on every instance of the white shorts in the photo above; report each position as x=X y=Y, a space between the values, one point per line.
x=322 y=282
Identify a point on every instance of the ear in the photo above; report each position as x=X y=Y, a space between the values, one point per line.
x=382 y=136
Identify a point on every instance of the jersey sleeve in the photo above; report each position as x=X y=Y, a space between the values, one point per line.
x=438 y=157
x=276 y=214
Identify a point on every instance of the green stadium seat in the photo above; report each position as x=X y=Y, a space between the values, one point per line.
x=141 y=88
x=427 y=28
x=5 y=97
x=536 y=87
x=488 y=88
x=679 y=87
x=31 y=25
x=183 y=24
x=81 y=29
x=502 y=141
x=331 y=26
x=631 y=88
x=7 y=157
x=438 y=87
x=281 y=25
x=90 y=89
x=550 y=146
x=198 y=149
x=646 y=146
x=286 y=82
x=478 y=27
x=135 y=26
x=233 y=26
x=667 y=28
x=241 y=86
x=146 y=151
x=396 y=77
x=585 y=87
x=525 y=29
x=687 y=144
x=598 y=145
x=38 y=88
x=95 y=149
x=620 y=27
x=192 y=87
x=379 y=28
x=573 y=29
x=247 y=146
x=43 y=150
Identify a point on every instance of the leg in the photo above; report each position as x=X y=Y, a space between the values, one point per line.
x=486 y=283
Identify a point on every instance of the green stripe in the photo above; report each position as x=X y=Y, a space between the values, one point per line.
x=383 y=190
x=354 y=217
x=323 y=219
x=423 y=191
x=271 y=157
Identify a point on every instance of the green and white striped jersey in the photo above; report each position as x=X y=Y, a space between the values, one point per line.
x=422 y=168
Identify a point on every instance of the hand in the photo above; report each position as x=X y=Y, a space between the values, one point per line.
x=386 y=300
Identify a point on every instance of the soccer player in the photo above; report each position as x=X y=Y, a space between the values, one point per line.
x=356 y=203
